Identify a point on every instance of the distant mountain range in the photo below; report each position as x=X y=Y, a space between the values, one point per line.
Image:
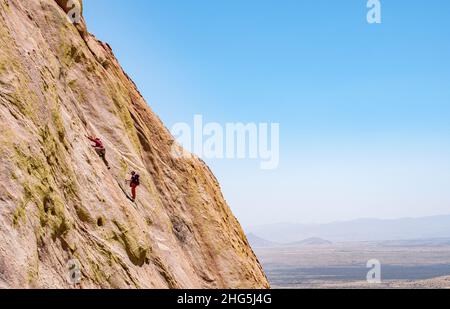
x=313 y=241
x=356 y=230
x=258 y=242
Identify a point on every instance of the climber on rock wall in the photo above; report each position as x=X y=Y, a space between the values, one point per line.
x=99 y=148
x=134 y=183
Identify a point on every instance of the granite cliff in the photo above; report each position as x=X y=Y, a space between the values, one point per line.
x=58 y=201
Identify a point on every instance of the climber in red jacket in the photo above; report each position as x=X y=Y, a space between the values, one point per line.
x=99 y=148
x=134 y=183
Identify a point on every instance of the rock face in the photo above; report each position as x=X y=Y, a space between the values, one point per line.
x=59 y=202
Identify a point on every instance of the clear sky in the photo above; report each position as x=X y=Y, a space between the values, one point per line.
x=364 y=110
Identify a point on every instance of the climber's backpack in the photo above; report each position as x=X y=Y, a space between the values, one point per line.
x=135 y=179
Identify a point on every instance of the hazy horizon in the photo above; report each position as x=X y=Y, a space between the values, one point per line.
x=344 y=220
x=363 y=109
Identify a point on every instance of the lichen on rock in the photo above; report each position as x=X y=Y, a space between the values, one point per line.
x=59 y=202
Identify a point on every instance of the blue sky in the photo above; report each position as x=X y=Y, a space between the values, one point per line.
x=364 y=109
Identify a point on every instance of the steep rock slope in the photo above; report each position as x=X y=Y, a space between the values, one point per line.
x=58 y=201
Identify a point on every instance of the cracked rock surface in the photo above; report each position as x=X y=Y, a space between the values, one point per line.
x=59 y=202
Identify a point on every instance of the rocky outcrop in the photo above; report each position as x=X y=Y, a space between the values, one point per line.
x=67 y=5
x=58 y=201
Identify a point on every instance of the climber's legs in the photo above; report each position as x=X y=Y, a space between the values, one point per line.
x=102 y=153
x=133 y=191
x=105 y=161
